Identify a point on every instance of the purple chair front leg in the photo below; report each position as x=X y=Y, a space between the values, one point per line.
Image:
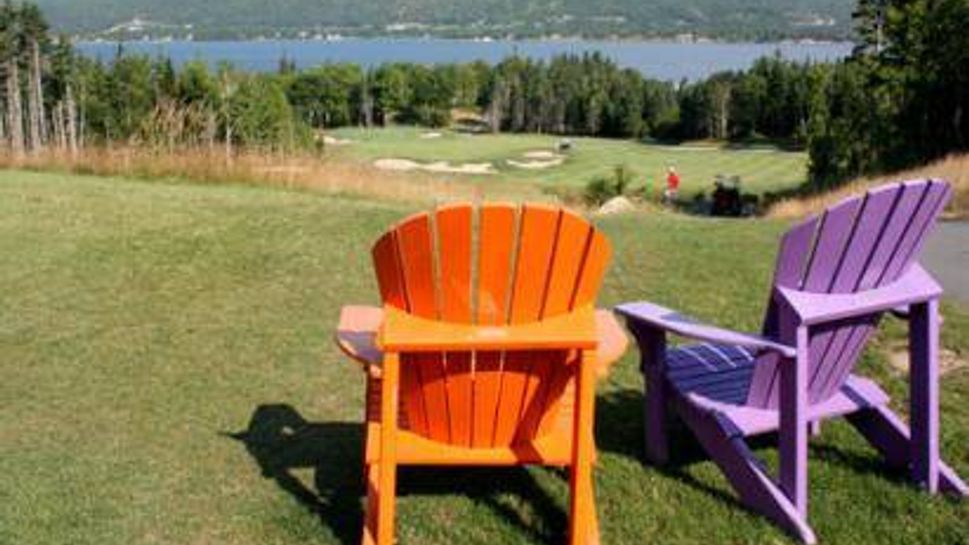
x=924 y=384
x=652 y=347
x=794 y=424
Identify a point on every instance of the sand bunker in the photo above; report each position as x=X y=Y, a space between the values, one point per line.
x=536 y=165
x=431 y=135
x=333 y=141
x=439 y=166
x=541 y=154
x=538 y=160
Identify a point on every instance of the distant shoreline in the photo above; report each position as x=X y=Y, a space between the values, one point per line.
x=86 y=40
x=658 y=59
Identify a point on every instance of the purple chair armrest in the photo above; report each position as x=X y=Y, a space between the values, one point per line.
x=914 y=286
x=664 y=319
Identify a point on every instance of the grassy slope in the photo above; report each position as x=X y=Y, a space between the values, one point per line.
x=954 y=169
x=760 y=169
x=140 y=323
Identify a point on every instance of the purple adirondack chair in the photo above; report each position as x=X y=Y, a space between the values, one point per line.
x=836 y=275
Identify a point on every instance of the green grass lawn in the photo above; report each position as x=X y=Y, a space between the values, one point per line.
x=167 y=376
x=761 y=169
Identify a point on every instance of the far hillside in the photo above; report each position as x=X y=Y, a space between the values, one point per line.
x=733 y=19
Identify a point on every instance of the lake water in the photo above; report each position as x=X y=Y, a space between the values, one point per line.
x=660 y=60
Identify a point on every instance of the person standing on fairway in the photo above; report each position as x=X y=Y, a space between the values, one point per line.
x=672 y=186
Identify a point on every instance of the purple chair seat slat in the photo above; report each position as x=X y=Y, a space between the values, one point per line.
x=857 y=393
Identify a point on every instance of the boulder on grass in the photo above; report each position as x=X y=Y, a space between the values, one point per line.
x=617 y=205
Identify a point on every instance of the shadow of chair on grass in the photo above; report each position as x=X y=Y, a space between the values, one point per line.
x=619 y=430
x=281 y=441
x=620 y=425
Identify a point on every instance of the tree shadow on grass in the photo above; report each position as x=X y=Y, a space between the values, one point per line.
x=281 y=441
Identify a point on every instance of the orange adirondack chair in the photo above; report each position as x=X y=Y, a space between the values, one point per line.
x=486 y=350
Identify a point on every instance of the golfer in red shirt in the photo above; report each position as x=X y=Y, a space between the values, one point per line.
x=672 y=185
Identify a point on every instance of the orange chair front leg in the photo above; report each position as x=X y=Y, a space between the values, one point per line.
x=583 y=520
x=386 y=466
x=370 y=513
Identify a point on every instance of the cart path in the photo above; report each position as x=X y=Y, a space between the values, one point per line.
x=946 y=255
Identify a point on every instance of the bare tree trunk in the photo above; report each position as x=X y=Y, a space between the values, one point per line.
x=71 y=114
x=211 y=130
x=15 y=118
x=57 y=124
x=35 y=99
x=82 y=123
x=228 y=140
x=496 y=108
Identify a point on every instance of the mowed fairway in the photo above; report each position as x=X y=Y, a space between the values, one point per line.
x=760 y=169
x=167 y=376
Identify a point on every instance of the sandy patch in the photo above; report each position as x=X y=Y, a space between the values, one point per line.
x=541 y=154
x=431 y=135
x=404 y=165
x=536 y=165
x=396 y=164
x=538 y=160
x=333 y=141
x=948 y=360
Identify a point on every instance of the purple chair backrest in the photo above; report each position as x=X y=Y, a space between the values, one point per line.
x=859 y=244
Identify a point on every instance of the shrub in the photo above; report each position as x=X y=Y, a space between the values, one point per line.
x=602 y=188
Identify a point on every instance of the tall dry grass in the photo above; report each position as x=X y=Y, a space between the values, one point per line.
x=954 y=169
x=304 y=171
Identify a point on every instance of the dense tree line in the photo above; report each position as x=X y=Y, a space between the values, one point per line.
x=900 y=99
x=568 y=95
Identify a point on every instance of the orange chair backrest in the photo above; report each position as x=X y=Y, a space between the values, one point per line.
x=495 y=265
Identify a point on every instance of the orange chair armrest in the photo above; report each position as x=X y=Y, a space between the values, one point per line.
x=403 y=332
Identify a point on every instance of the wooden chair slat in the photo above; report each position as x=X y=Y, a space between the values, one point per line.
x=496 y=252
x=488 y=373
x=792 y=260
x=568 y=262
x=416 y=248
x=537 y=240
x=597 y=258
x=390 y=275
x=906 y=207
x=829 y=249
x=932 y=203
x=453 y=225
